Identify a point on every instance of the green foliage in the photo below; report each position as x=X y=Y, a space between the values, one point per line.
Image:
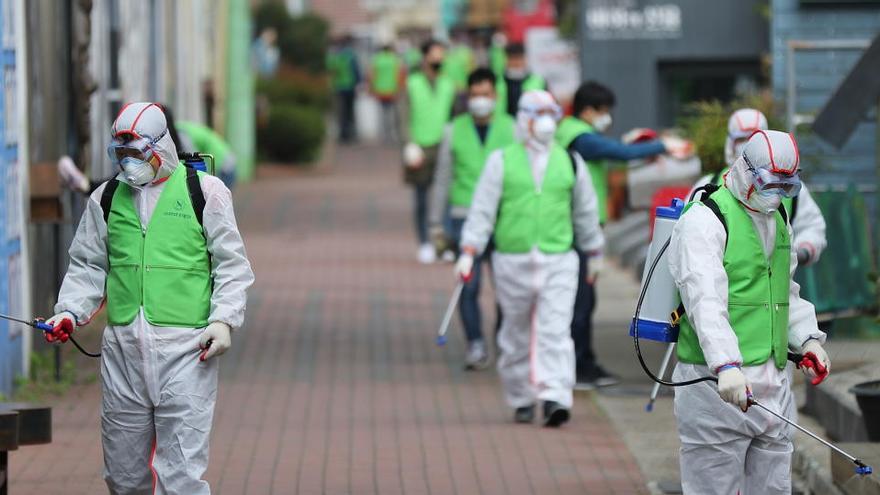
x=302 y=40
x=293 y=89
x=293 y=134
x=41 y=382
x=304 y=44
x=271 y=14
x=705 y=123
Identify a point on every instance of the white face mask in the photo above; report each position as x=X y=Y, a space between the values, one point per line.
x=765 y=203
x=481 y=106
x=544 y=128
x=603 y=122
x=137 y=172
x=516 y=74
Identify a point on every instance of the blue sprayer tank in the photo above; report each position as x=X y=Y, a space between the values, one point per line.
x=661 y=297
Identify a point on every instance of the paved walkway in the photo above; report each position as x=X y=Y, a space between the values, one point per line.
x=335 y=386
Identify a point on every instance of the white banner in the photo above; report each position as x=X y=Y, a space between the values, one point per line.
x=555 y=59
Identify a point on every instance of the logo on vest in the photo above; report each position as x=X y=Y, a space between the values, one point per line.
x=178 y=211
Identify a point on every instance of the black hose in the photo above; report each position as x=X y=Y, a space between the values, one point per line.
x=636 y=329
x=87 y=353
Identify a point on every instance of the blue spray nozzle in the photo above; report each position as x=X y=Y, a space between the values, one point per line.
x=649 y=406
x=441 y=340
x=863 y=470
x=42 y=325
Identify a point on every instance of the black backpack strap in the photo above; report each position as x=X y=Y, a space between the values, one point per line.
x=196 y=196
x=715 y=177
x=783 y=213
x=707 y=190
x=712 y=205
x=794 y=208
x=107 y=197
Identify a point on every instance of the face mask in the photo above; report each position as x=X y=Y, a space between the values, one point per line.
x=481 y=106
x=435 y=66
x=544 y=128
x=516 y=73
x=765 y=203
x=137 y=172
x=603 y=122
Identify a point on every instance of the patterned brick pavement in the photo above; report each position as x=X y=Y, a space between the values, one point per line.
x=335 y=386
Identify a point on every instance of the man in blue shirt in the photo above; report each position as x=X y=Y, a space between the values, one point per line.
x=582 y=133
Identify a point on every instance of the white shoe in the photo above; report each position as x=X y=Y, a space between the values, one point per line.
x=427 y=254
x=448 y=256
x=71 y=176
x=477 y=358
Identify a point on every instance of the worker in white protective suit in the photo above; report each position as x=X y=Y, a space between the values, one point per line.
x=730 y=256
x=539 y=201
x=161 y=244
x=804 y=214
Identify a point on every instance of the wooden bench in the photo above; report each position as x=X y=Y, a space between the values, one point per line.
x=21 y=424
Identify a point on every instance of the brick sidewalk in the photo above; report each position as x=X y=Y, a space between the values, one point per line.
x=335 y=386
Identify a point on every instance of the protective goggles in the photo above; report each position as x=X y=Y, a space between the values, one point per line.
x=554 y=111
x=135 y=146
x=767 y=182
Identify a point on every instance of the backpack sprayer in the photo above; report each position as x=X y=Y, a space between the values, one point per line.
x=659 y=311
x=196 y=160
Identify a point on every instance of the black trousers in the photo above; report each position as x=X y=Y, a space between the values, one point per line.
x=582 y=321
x=345 y=104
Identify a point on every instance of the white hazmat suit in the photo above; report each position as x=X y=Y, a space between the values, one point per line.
x=535 y=290
x=158 y=397
x=724 y=450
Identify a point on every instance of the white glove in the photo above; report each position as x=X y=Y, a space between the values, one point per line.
x=595 y=264
x=215 y=340
x=464 y=266
x=413 y=155
x=63 y=324
x=64 y=315
x=733 y=387
x=813 y=347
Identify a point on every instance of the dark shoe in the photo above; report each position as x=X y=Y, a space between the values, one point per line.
x=597 y=378
x=524 y=414
x=555 y=415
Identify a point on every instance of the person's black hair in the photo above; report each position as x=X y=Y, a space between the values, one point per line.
x=515 y=49
x=592 y=95
x=172 y=127
x=481 y=74
x=386 y=48
x=431 y=43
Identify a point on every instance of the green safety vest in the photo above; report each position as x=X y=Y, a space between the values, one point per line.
x=497 y=60
x=469 y=154
x=412 y=57
x=386 y=70
x=758 y=290
x=789 y=203
x=533 y=82
x=165 y=267
x=205 y=140
x=340 y=64
x=569 y=129
x=529 y=217
x=429 y=107
x=457 y=66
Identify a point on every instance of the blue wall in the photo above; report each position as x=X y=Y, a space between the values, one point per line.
x=10 y=230
x=818 y=75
